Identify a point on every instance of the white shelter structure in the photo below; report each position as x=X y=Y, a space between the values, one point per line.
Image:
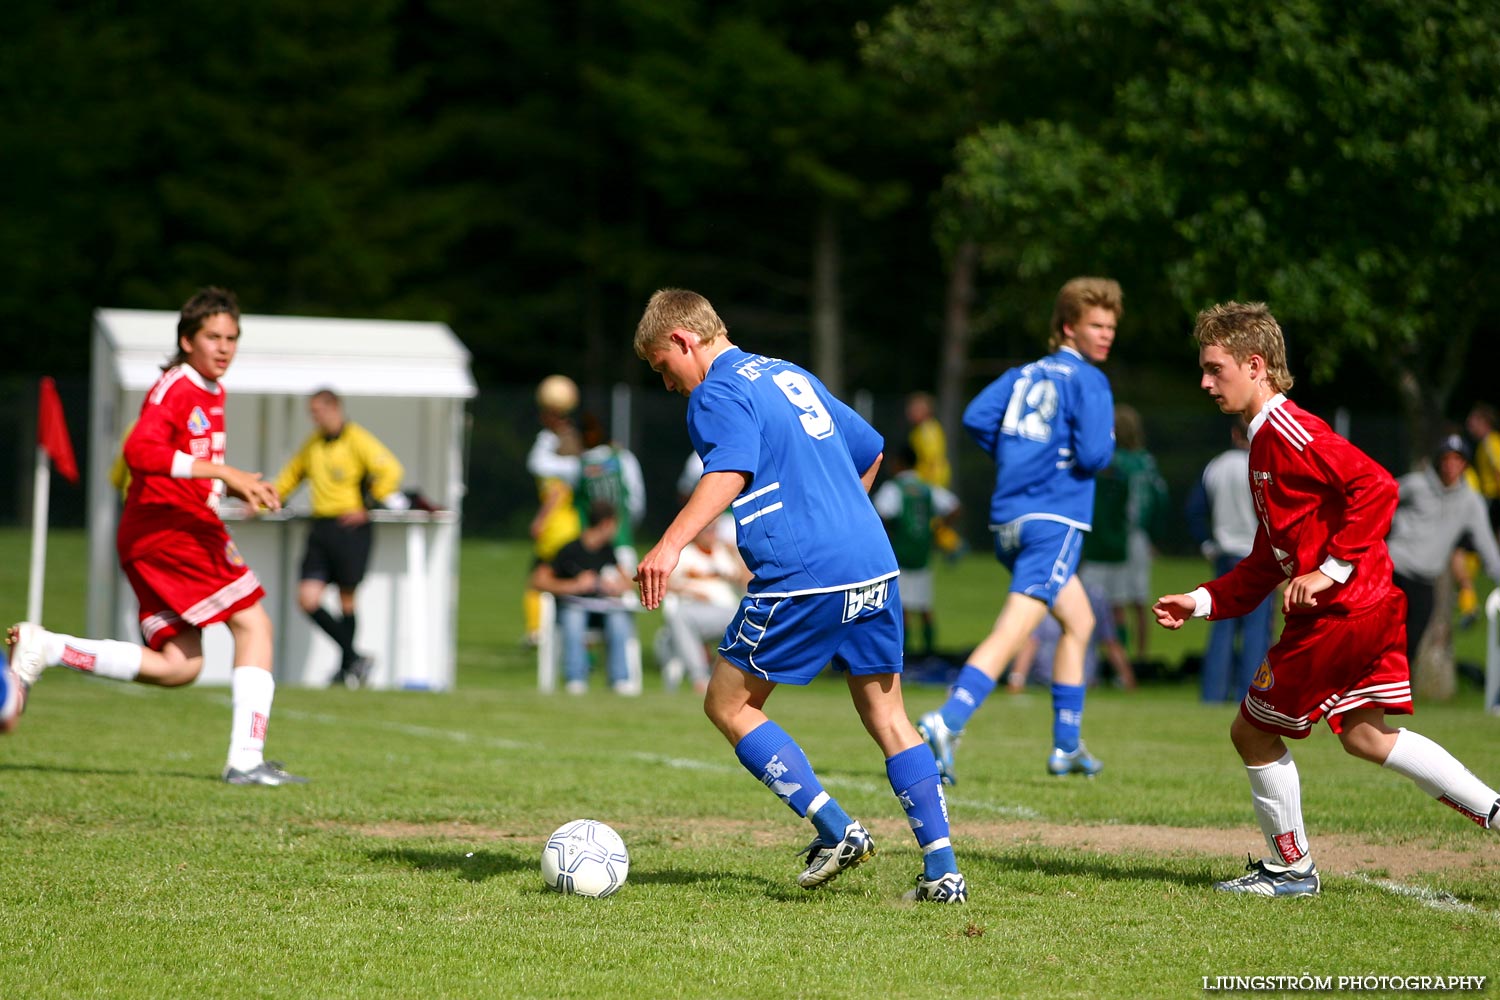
x=407 y=383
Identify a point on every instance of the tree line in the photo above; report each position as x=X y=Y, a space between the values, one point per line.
x=890 y=193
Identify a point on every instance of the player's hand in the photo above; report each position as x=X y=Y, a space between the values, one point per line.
x=354 y=518
x=1301 y=590
x=251 y=488
x=652 y=574
x=1173 y=610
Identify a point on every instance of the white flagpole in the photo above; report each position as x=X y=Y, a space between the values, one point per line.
x=40 y=494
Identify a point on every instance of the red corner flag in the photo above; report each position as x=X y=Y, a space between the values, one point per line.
x=52 y=431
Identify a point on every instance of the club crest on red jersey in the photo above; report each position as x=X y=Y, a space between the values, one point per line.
x=1264 y=679
x=232 y=554
x=198 y=421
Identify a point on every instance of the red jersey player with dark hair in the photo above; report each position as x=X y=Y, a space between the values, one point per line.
x=174 y=549
x=1324 y=509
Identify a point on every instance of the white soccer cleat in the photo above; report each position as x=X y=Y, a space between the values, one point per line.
x=1264 y=880
x=944 y=744
x=268 y=772
x=949 y=888
x=25 y=649
x=825 y=862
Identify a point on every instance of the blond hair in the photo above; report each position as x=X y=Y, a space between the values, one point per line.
x=1080 y=295
x=676 y=309
x=1243 y=329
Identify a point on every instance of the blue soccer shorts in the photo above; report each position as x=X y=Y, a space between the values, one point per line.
x=789 y=640
x=1042 y=555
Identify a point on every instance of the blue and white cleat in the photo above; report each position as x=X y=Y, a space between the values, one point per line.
x=949 y=888
x=944 y=744
x=825 y=862
x=1266 y=881
x=1080 y=761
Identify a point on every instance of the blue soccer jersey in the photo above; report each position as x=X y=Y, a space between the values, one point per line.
x=804 y=522
x=1049 y=426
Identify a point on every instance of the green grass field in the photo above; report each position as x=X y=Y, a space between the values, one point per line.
x=409 y=867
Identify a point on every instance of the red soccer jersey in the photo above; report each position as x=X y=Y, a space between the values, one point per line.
x=182 y=415
x=1317 y=497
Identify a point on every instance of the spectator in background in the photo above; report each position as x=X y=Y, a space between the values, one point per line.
x=340 y=461
x=1034 y=663
x=929 y=444
x=1130 y=505
x=553 y=455
x=589 y=583
x=1436 y=509
x=610 y=473
x=1482 y=427
x=910 y=507
x=1221 y=517
x=703 y=594
x=1484 y=476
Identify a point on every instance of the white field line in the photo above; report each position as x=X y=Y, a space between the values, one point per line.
x=661 y=760
x=1432 y=898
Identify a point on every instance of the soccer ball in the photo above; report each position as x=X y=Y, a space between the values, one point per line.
x=557 y=394
x=585 y=858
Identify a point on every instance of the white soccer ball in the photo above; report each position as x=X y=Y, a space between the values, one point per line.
x=557 y=394
x=585 y=858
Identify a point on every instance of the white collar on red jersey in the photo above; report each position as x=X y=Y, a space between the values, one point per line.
x=207 y=385
x=1265 y=413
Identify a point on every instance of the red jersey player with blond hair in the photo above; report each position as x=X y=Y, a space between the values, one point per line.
x=1324 y=509
x=174 y=549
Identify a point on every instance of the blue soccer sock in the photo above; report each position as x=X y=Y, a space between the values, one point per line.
x=1067 y=715
x=913 y=774
x=779 y=763
x=965 y=696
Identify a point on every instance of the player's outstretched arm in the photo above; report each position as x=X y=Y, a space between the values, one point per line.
x=1173 y=610
x=248 y=486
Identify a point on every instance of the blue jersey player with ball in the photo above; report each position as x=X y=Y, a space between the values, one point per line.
x=794 y=465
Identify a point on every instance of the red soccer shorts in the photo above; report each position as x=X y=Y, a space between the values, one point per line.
x=1326 y=665
x=186 y=577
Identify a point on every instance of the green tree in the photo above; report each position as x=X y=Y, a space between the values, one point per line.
x=261 y=146
x=1332 y=159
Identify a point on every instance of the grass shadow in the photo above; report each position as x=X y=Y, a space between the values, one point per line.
x=687 y=876
x=470 y=866
x=1109 y=867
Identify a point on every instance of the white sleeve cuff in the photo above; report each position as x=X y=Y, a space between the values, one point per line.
x=182 y=465
x=1203 y=604
x=396 y=500
x=1336 y=570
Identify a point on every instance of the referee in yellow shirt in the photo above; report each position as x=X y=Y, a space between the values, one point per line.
x=340 y=462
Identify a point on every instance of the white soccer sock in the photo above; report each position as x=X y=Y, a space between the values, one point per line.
x=1276 y=792
x=1438 y=773
x=119 y=661
x=251 y=690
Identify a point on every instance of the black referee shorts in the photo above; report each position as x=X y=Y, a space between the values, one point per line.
x=337 y=553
